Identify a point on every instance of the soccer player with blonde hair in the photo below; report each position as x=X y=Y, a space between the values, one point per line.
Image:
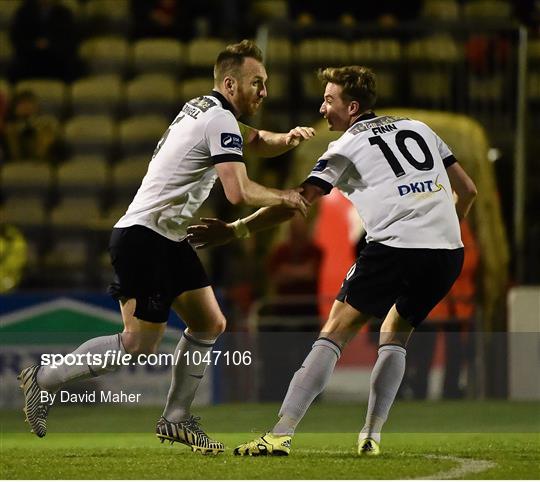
x=399 y=175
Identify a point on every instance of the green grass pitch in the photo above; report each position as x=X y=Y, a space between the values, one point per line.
x=467 y=440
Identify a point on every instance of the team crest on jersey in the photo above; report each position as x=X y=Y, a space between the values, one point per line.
x=231 y=141
x=321 y=165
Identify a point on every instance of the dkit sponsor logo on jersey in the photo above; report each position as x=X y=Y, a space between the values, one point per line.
x=231 y=141
x=420 y=187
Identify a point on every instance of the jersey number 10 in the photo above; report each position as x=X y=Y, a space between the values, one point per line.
x=401 y=137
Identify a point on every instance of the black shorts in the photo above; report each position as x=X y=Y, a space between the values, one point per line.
x=152 y=269
x=415 y=280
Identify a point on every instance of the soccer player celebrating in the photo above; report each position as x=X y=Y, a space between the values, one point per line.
x=400 y=176
x=155 y=266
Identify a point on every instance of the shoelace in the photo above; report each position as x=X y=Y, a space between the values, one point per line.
x=193 y=424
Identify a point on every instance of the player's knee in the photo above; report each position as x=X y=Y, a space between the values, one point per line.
x=393 y=338
x=219 y=326
x=209 y=330
x=341 y=329
x=136 y=343
x=396 y=328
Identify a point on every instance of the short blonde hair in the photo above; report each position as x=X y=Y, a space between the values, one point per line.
x=358 y=83
x=232 y=58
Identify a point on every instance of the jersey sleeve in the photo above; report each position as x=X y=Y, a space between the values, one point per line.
x=329 y=169
x=224 y=139
x=445 y=152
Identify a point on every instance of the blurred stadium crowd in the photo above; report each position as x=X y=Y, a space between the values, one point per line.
x=87 y=87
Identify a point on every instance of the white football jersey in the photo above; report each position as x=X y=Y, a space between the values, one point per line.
x=394 y=172
x=181 y=172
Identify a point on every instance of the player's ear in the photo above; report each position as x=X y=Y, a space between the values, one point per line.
x=230 y=84
x=354 y=108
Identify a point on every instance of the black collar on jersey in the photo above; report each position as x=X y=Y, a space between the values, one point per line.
x=364 y=116
x=224 y=102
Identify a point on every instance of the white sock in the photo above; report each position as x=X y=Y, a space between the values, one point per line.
x=186 y=376
x=52 y=379
x=306 y=384
x=385 y=381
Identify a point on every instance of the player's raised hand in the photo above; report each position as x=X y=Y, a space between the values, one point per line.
x=214 y=232
x=293 y=199
x=299 y=134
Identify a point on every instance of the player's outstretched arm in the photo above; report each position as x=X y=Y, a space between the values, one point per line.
x=464 y=188
x=272 y=144
x=239 y=189
x=215 y=232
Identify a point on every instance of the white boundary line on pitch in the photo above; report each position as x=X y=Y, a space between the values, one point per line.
x=465 y=466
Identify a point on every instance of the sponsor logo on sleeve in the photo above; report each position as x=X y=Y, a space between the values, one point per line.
x=321 y=165
x=231 y=141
